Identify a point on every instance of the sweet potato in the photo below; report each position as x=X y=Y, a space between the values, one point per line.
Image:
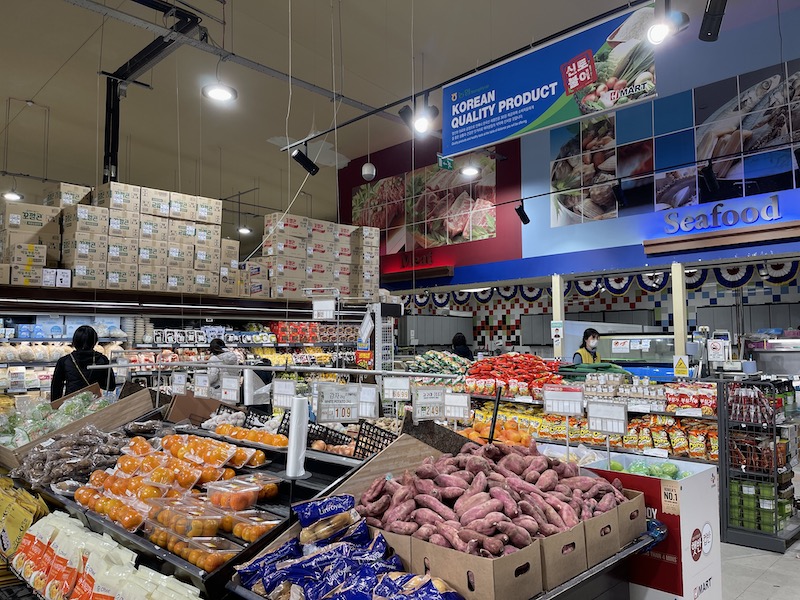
x=562 y=489
x=582 y=483
x=509 y=506
x=451 y=535
x=549 y=512
x=572 y=469
x=540 y=463
x=617 y=483
x=374 y=491
x=443 y=480
x=424 y=532
x=469 y=448
x=509 y=550
x=512 y=493
x=391 y=487
x=491 y=451
x=514 y=463
x=427 y=486
x=464 y=504
x=517 y=536
x=548 y=480
x=493 y=545
x=478 y=464
x=559 y=467
x=425 y=516
x=493 y=483
x=531 y=475
x=488 y=524
x=601 y=486
x=439 y=540
x=465 y=475
x=496 y=476
x=444 y=459
x=522 y=487
x=480 y=511
x=402 y=527
x=377 y=508
x=451 y=492
x=576 y=502
x=586 y=510
x=405 y=492
x=401 y=512
x=448 y=469
x=607 y=503
x=361 y=509
x=426 y=501
x=565 y=511
x=478 y=484
x=529 y=524
x=427 y=472
x=373 y=522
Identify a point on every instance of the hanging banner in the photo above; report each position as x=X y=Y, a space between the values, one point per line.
x=604 y=67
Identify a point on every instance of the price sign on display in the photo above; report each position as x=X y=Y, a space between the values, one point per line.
x=324 y=310
x=337 y=403
x=565 y=400
x=396 y=389
x=428 y=403
x=283 y=390
x=620 y=346
x=523 y=399
x=178 y=383
x=368 y=401
x=608 y=417
x=456 y=406
x=367 y=325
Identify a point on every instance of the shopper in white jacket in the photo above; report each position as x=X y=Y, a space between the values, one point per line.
x=220 y=355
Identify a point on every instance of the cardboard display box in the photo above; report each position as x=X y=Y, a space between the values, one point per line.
x=320 y=250
x=285 y=288
x=155 y=202
x=84 y=247
x=206 y=284
x=206 y=259
x=123 y=223
x=291 y=225
x=182 y=206
x=32 y=255
x=180 y=255
x=281 y=266
x=26 y=276
x=66 y=194
x=182 y=232
x=57 y=278
x=343 y=252
x=322 y=231
x=155 y=229
x=208 y=235
x=180 y=280
x=9 y=239
x=367 y=237
x=367 y=274
x=153 y=253
x=123 y=251
x=152 y=278
x=279 y=244
x=228 y=282
x=109 y=418
x=122 y=277
x=20 y=216
x=5 y=274
x=229 y=250
x=344 y=233
x=195 y=409
x=342 y=272
x=319 y=271
x=81 y=219
x=121 y=196
x=89 y=275
x=209 y=210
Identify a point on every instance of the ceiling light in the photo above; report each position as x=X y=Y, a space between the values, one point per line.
x=657 y=33
x=425 y=116
x=368 y=171
x=12 y=195
x=668 y=22
x=469 y=170
x=305 y=162
x=476 y=290
x=245 y=230
x=407 y=114
x=520 y=210
x=712 y=20
x=220 y=92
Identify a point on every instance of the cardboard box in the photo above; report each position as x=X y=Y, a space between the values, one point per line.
x=182 y=232
x=291 y=225
x=244 y=282
x=121 y=196
x=89 y=275
x=180 y=280
x=322 y=231
x=26 y=276
x=20 y=216
x=123 y=223
x=206 y=284
x=123 y=251
x=343 y=252
x=280 y=244
x=84 y=248
x=632 y=517
x=320 y=250
x=602 y=537
x=229 y=253
x=564 y=556
x=206 y=259
x=342 y=272
x=66 y=194
x=367 y=236
x=180 y=255
x=154 y=229
x=153 y=253
x=194 y=408
x=85 y=219
x=155 y=202
x=208 y=210
x=5 y=274
x=277 y=266
x=9 y=239
x=291 y=289
x=228 y=282
x=344 y=233
x=208 y=235
x=122 y=277
x=367 y=275
x=320 y=271
x=182 y=206
x=32 y=255
x=57 y=278
x=366 y=256
x=152 y=279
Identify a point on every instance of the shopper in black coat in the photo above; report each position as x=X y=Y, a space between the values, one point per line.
x=71 y=373
x=460 y=346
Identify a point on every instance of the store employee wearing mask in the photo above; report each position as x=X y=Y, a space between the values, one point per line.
x=587 y=353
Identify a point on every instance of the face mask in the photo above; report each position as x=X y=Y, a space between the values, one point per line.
x=591 y=344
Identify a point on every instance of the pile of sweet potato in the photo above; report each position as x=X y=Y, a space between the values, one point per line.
x=487 y=500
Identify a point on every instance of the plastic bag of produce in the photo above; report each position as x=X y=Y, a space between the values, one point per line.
x=639 y=467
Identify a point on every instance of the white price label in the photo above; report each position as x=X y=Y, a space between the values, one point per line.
x=689 y=412
x=283 y=390
x=456 y=406
x=83 y=248
x=608 y=417
x=113 y=251
x=324 y=310
x=428 y=403
x=396 y=388
x=367 y=325
x=523 y=399
x=368 y=401
x=563 y=400
x=178 y=383
x=338 y=403
x=174 y=252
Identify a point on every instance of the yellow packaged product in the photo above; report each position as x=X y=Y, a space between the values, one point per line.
x=585 y=434
x=678 y=441
x=713 y=444
x=660 y=438
x=697 y=443
x=645 y=438
x=615 y=441
x=598 y=439
x=631 y=439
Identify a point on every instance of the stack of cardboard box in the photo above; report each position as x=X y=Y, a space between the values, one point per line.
x=29 y=241
x=230 y=276
x=121 y=204
x=365 y=275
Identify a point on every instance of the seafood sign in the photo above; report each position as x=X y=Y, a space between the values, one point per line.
x=722 y=216
x=604 y=67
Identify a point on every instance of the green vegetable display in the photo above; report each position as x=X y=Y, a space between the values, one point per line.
x=434 y=361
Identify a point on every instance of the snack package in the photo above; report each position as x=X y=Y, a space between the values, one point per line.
x=678 y=441
x=697 y=443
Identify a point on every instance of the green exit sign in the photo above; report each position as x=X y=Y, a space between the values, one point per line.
x=444 y=163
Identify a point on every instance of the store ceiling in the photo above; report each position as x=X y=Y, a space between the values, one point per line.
x=173 y=138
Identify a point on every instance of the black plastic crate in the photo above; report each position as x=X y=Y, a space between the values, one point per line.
x=17 y=591
x=317 y=432
x=371 y=439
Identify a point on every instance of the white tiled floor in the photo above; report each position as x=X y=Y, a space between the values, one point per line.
x=749 y=574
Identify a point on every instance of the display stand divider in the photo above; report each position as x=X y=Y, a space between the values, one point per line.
x=495 y=409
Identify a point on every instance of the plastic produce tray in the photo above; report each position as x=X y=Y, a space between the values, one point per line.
x=371 y=439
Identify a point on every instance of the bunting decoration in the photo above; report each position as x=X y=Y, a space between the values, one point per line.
x=618 y=286
x=779 y=273
x=531 y=294
x=652 y=282
x=695 y=278
x=588 y=288
x=441 y=299
x=461 y=298
x=734 y=277
x=507 y=292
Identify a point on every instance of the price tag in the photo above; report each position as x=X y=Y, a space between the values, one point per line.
x=201 y=380
x=523 y=399
x=283 y=390
x=748 y=490
x=368 y=401
x=670 y=497
x=689 y=412
x=428 y=403
x=657 y=452
x=563 y=400
x=367 y=325
x=639 y=408
x=456 y=406
x=324 y=310
x=396 y=388
x=338 y=403
x=608 y=417
x=178 y=382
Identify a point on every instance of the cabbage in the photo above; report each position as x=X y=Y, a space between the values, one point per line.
x=670 y=470
x=638 y=467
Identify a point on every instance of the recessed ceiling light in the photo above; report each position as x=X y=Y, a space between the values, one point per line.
x=220 y=92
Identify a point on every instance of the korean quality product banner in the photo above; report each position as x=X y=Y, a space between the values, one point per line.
x=605 y=67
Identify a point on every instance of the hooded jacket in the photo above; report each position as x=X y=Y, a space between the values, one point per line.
x=67 y=378
x=216 y=372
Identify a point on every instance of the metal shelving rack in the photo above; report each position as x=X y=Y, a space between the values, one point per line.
x=756 y=493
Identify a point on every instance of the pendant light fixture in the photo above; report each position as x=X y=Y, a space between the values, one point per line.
x=243 y=229
x=12 y=194
x=368 y=170
x=219 y=91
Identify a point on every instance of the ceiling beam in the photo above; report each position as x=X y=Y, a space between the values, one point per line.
x=224 y=55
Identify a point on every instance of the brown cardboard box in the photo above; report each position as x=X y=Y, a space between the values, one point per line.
x=84 y=248
x=9 y=239
x=89 y=275
x=229 y=253
x=123 y=223
x=194 y=408
x=367 y=275
x=182 y=206
x=5 y=274
x=20 y=216
x=180 y=280
x=123 y=251
x=343 y=252
x=278 y=266
x=342 y=272
x=367 y=236
x=320 y=250
x=363 y=293
x=32 y=255
x=563 y=556
x=66 y=194
x=256 y=269
x=344 y=287
x=244 y=282
x=80 y=219
x=279 y=244
x=228 y=282
x=602 y=537
x=209 y=210
x=26 y=276
x=180 y=255
x=206 y=259
x=291 y=225
x=121 y=196
x=206 y=284
x=632 y=517
x=153 y=253
x=57 y=278
x=155 y=229
x=363 y=255
x=152 y=279
x=208 y=235
x=155 y=202
x=320 y=271
x=344 y=233
x=257 y=289
x=182 y=232
x=122 y=277
x=285 y=288
x=322 y=231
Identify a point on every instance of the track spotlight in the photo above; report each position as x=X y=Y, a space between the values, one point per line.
x=619 y=195
x=12 y=194
x=469 y=170
x=520 y=210
x=667 y=23
x=710 y=178
x=407 y=114
x=304 y=161
x=425 y=116
x=220 y=92
x=712 y=20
